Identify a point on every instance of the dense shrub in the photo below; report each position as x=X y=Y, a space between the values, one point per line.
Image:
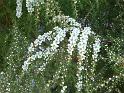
x=61 y=46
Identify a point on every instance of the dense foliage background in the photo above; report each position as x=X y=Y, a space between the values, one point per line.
x=105 y=17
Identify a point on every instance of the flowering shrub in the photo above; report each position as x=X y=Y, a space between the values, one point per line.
x=77 y=34
x=70 y=58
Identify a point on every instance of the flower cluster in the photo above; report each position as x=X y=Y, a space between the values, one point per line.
x=96 y=49
x=30 y=4
x=67 y=20
x=62 y=84
x=79 y=84
x=51 y=9
x=32 y=53
x=48 y=51
x=61 y=33
x=73 y=39
x=19 y=8
x=63 y=89
x=79 y=37
x=82 y=50
x=38 y=42
x=83 y=42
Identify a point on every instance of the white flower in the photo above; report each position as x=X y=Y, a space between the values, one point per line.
x=67 y=20
x=39 y=41
x=83 y=42
x=79 y=86
x=61 y=33
x=25 y=66
x=30 y=48
x=73 y=39
x=63 y=89
x=96 y=49
x=81 y=51
x=30 y=5
x=19 y=8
